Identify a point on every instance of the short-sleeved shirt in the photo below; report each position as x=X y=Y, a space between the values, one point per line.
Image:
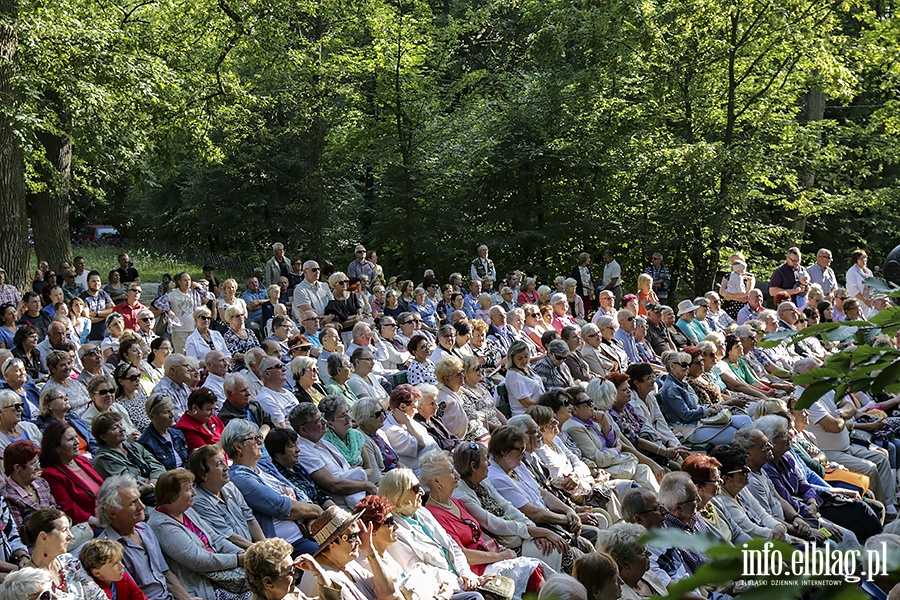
x=611 y=271
x=519 y=492
x=145 y=565
x=522 y=386
x=227 y=514
x=784 y=277
x=278 y=404
x=821 y=408
x=254 y=315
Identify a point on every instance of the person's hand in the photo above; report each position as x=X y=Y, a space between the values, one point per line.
x=555 y=540
x=714 y=409
x=834 y=531
x=506 y=554
x=801 y=528
x=601 y=476
x=370 y=489
x=779 y=532
x=544 y=545
x=365 y=538
x=568 y=483
x=400 y=416
x=813 y=507
x=468 y=583
x=852 y=494
x=879 y=424
x=658 y=471
x=588 y=518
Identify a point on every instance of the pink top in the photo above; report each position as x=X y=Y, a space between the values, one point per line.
x=464 y=530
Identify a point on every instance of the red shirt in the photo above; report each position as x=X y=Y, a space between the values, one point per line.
x=126 y=589
x=197 y=435
x=129 y=313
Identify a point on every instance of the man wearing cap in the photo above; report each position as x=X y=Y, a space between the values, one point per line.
x=552 y=369
x=312 y=294
x=752 y=308
x=784 y=278
x=131 y=307
x=342 y=539
x=879 y=303
x=606 y=300
x=625 y=335
x=657 y=333
x=822 y=273
x=483 y=266
x=8 y=293
x=360 y=266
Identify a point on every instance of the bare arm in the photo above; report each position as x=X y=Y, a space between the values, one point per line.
x=176 y=587
x=340 y=486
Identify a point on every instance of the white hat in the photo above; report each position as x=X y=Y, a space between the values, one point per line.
x=686 y=306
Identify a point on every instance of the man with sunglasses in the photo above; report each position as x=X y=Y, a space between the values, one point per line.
x=131 y=307
x=273 y=396
x=625 y=335
x=92 y=363
x=312 y=294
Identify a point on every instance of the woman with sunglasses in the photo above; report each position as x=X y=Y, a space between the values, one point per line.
x=204 y=338
x=161 y=438
x=279 y=507
x=130 y=395
x=682 y=408
x=55 y=406
x=103 y=395
x=16 y=379
x=369 y=416
x=345 y=306
x=341 y=433
x=12 y=427
x=272 y=573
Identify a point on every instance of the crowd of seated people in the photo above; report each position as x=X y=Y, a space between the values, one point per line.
x=336 y=434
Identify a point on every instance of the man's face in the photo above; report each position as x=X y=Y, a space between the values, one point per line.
x=217 y=364
x=57 y=335
x=824 y=260
x=574 y=341
x=654 y=316
x=298 y=266
x=34 y=305
x=91 y=358
x=607 y=258
x=180 y=372
x=760 y=451
x=754 y=298
x=652 y=515
x=498 y=318
x=123 y=261
x=253 y=284
x=134 y=294
x=593 y=338
x=606 y=299
x=483 y=252
x=93 y=283
x=360 y=254
x=279 y=253
x=788 y=314
x=626 y=321
x=311 y=270
x=79 y=265
x=475 y=288
x=132 y=511
x=240 y=394
x=656 y=260
x=487 y=284
x=793 y=260
x=310 y=322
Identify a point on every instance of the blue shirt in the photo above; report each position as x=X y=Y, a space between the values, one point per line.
x=248 y=297
x=146 y=564
x=470 y=305
x=164 y=450
x=266 y=504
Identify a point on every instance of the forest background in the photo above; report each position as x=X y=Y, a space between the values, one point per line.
x=424 y=128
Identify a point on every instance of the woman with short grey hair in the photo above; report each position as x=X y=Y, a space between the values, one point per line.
x=339 y=370
x=369 y=415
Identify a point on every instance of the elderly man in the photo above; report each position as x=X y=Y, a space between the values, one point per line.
x=58 y=339
x=625 y=334
x=678 y=495
x=273 y=397
x=310 y=321
x=578 y=366
x=312 y=294
x=360 y=266
x=470 y=301
x=784 y=278
x=174 y=384
x=362 y=338
x=612 y=276
x=642 y=507
x=252 y=359
x=716 y=318
x=499 y=331
x=822 y=273
x=552 y=368
x=753 y=307
x=8 y=293
x=590 y=333
x=410 y=326
x=277 y=266
x=505 y=299
x=217 y=367
x=606 y=305
x=482 y=266
x=131 y=307
x=388 y=349
x=121 y=513
x=92 y=363
x=239 y=404
x=324 y=462
x=657 y=333
x=832 y=427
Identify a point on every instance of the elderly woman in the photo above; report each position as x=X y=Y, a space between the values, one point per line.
x=203 y=338
x=55 y=407
x=597 y=439
x=118 y=456
x=463 y=331
x=478 y=403
x=345 y=306
x=230 y=298
x=161 y=438
x=48 y=532
x=271 y=572
x=523 y=385
x=25 y=348
x=485 y=350
x=202 y=558
x=482 y=552
x=115 y=327
x=425 y=308
x=339 y=371
x=576 y=302
x=72 y=478
x=678 y=338
x=706 y=476
x=12 y=427
x=427 y=416
x=222 y=505
x=406 y=435
x=305 y=371
x=451 y=376
x=24 y=490
x=199 y=424
x=712 y=353
x=610 y=354
x=130 y=395
x=642 y=381
x=709 y=391
x=390 y=348
x=60 y=364
x=621 y=543
x=369 y=416
x=341 y=433
x=364 y=382
x=534 y=326
x=690 y=324
x=645 y=350
x=279 y=507
x=735 y=371
x=569 y=473
x=446 y=343
x=420 y=538
x=421 y=367
x=561 y=316
x=281 y=444
x=682 y=408
x=16 y=379
x=103 y=393
x=238 y=338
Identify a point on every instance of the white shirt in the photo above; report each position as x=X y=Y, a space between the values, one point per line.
x=197 y=347
x=366 y=387
x=277 y=403
x=217 y=385
x=520 y=386
x=404 y=443
x=316 y=296
x=821 y=408
x=518 y=493
x=612 y=270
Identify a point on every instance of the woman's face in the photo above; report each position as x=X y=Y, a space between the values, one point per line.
x=16 y=375
x=163 y=351
x=9 y=315
x=363 y=365
x=31 y=341
x=474 y=377
x=341 y=421
x=391 y=299
x=623 y=395
x=68 y=445
x=480 y=472
x=411 y=500
x=679 y=369
x=420 y=298
x=115 y=436
x=385 y=534
x=184 y=500
x=29 y=471
x=77 y=309
x=237 y=321
x=583 y=407
x=516 y=321
x=852 y=313
x=103 y=396
x=454 y=381
x=458 y=302
x=829 y=313
x=632 y=305
x=134 y=355
x=163 y=416
x=194 y=377
x=58 y=539
x=375 y=422
x=737 y=351
x=423 y=351
x=710 y=488
x=550 y=430
x=801 y=419
x=218 y=471
x=428 y=407
x=560 y=308
x=446 y=294
x=202 y=323
x=862 y=261
x=608 y=332
x=309 y=377
x=521 y=360
x=116 y=328
x=640 y=332
x=448 y=480
x=59 y=402
x=446 y=339
x=696 y=368
x=114 y=278
x=12 y=414
x=668 y=318
x=477 y=338
x=203 y=413
x=343 y=374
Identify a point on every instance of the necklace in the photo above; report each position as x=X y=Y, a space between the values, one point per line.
x=445 y=505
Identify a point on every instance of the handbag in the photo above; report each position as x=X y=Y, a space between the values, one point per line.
x=723 y=417
x=231 y=580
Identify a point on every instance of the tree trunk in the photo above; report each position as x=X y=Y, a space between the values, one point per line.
x=813 y=110
x=14 y=222
x=50 y=207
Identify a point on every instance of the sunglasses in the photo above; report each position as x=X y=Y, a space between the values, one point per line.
x=105 y=392
x=389 y=521
x=417 y=488
x=380 y=414
x=146 y=320
x=132 y=378
x=315 y=269
x=684 y=364
x=17 y=406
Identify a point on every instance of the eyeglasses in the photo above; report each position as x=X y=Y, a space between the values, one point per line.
x=416 y=487
x=717 y=481
x=582 y=403
x=560 y=357
x=380 y=414
x=320 y=421
x=388 y=324
x=344 y=282
x=745 y=470
x=136 y=291
x=592 y=335
x=684 y=364
x=255 y=438
x=353 y=538
x=146 y=319
x=659 y=508
x=315 y=269
x=693 y=500
x=204 y=318
x=105 y=392
x=47 y=595
x=275 y=367
x=630 y=319
x=16 y=407
x=311 y=319
x=389 y=521
x=519 y=449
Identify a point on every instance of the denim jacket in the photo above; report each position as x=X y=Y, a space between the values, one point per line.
x=679 y=403
x=162 y=450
